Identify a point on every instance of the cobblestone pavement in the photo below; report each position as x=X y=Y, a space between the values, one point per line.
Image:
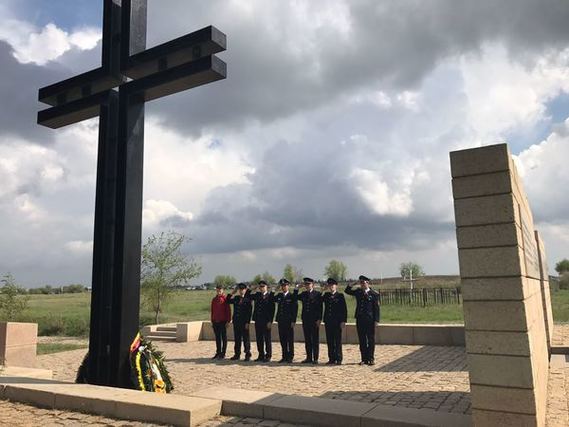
x=18 y=414
x=561 y=335
x=558 y=385
x=21 y=415
x=405 y=376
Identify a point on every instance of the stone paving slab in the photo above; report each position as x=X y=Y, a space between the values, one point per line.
x=404 y=376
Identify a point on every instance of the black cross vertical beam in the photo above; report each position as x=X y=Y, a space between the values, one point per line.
x=178 y=65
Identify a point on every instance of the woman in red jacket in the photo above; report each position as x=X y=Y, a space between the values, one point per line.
x=220 y=317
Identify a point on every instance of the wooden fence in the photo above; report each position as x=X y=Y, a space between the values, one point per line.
x=421 y=296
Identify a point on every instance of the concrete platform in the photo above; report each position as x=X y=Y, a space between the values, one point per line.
x=132 y=405
x=13 y=371
x=325 y=412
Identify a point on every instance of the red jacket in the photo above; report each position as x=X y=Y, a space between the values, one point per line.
x=220 y=311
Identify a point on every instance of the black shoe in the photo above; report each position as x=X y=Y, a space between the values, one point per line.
x=330 y=362
x=236 y=357
x=247 y=357
x=215 y=357
x=338 y=362
x=371 y=362
x=267 y=359
x=306 y=361
x=283 y=360
x=363 y=362
x=315 y=362
x=260 y=359
x=221 y=356
x=289 y=360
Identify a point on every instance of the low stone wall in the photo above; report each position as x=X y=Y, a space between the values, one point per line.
x=396 y=334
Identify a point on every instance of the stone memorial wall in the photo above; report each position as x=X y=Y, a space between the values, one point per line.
x=507 y=308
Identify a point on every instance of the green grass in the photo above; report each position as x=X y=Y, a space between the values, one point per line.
x=48 y=348
x=68 y=314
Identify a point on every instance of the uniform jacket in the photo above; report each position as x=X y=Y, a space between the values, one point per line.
x=287 y=310
x=367 y=305
x=311 y=305
x=335 y=309
x=264 y=310
x=242 y=307
x=220 y=310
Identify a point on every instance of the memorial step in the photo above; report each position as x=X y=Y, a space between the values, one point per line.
x=155 y=337
x=166 y=328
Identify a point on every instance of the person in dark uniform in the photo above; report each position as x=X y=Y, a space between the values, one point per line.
x=287 y=312
x=367 y=317
x=335 y=317
x=311 y=318
x=242 y=309
x=263 y=315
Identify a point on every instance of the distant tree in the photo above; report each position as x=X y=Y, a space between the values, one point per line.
x=336 y=270
x=164 y=267
x=73 y=289
x=266 y=276
x=13 y=300
x=225 y=281
x=562 y=266
x=292 y=274
x=406 y=268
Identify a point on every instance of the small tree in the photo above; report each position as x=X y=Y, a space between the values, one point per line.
x=13 y=300
x=292 y=274
x=336 y=270
x=225 y=281
x=407 y=269
x=164 y=268
x=266 y=276
x=562 y=266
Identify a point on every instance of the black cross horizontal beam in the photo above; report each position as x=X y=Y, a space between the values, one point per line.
x=204 y=42
x=175 y=66
x=186 y=76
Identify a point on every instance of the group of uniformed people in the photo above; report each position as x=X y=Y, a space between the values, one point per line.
x=329 y=307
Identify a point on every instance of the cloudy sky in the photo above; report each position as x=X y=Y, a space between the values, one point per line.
x=329 y=139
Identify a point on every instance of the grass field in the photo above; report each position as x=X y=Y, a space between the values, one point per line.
x=68 y=314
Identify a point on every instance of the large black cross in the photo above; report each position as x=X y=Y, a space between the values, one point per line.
x=116 y=92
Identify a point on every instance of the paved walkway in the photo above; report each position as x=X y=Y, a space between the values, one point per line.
x=406 y=376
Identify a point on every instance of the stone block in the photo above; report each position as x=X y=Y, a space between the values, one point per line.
x=14 y=371
x=482 y=185
x=432 y=335
x=317 y=411
x=483 y=236
x=495 y=316
x=491 y=262
x=351 y=334
x=239 y=402
x=458 y=336
x=501 y=343
x=503 y=399
x=485 y=210
x=82 y=400
x=207 y=333
x=481 y=160
x=394 y=334
x=503 y=419
x=495 y=289
x=18 y=344
x=30 y=393
x=500 y=371
x=394 y=416
x=188 y=331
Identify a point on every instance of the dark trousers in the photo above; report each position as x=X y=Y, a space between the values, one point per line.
x=241 y=334
x=263 y=337
x=220 y=330
x=334 y=341
x=286 y=336
x=366 y=335
x=311 y=339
